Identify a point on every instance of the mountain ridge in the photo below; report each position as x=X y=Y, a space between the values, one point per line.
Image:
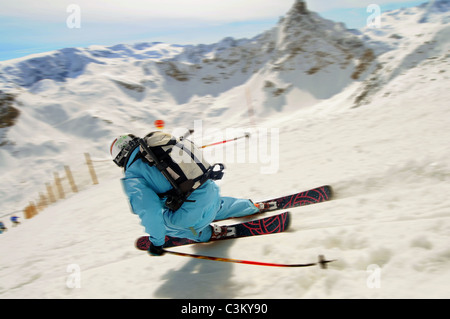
x=76 y=99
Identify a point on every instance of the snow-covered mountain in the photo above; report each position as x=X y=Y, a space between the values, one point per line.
x=91 y=94
x=408 y=43
x=85 y=96
x=363 y=110
x=301 y=44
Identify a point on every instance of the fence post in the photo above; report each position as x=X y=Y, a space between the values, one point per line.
x=91 y=168
x=34 y=210
x=59 y=186
x=42 y=203
x=27 y=212
x=51 y=196
x=30 y=211
x=71 y=180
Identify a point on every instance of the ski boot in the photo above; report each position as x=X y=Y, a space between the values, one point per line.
x=266 y=206
x=219 y=232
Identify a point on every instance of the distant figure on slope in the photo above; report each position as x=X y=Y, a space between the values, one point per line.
x=175 y=195
x=15 y=220
x=2 y=228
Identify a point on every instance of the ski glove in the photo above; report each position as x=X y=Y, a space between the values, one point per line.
x=156 y=250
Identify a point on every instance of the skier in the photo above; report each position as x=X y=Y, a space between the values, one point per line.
x=2 y=228
x=15 y=220
x=143 y=183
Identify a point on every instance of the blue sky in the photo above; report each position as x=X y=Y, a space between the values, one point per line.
x=29 y=26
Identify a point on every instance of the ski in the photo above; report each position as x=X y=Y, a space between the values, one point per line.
x=308 y=197
x=312 y=196
x=264 y=226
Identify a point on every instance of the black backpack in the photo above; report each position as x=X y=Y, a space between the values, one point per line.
x=181 y=163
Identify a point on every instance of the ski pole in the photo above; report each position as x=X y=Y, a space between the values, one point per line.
x=187 y=134
x=247 y=135
x=322 y=261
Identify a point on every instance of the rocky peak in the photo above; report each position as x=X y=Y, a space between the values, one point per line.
x=300 y=7
x=302 y=30
x=298 y=12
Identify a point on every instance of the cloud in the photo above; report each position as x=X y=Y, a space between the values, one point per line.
x=324 y=5
x=28 y=24
x=159 y=11
x=147 y=10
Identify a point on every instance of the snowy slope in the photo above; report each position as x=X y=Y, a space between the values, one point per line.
x=391 y=175
x=387 y=159
x=408 y=40
x=76 y=100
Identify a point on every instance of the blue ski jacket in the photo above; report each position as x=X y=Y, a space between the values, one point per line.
x=142 y=183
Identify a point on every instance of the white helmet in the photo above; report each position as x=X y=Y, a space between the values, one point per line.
x=121 y=147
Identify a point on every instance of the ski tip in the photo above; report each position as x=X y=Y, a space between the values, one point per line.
x=330 y=192
x=328 y=189
x=142 y=243
x=288 y=220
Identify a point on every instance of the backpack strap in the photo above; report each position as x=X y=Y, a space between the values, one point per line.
x=160 y=166
x=180 y=192
x=133 y=146
x=138 y=156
